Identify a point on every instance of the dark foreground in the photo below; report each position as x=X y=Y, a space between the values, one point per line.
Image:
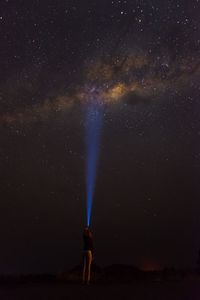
x=189 y=290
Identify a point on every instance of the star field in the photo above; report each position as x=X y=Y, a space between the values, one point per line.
x=140 y=60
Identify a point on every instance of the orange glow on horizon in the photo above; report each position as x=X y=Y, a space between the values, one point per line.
x=151 y=265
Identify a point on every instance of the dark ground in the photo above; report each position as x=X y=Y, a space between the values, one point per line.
x=138 y=291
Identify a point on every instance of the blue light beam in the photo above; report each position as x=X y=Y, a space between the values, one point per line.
x=93 y=133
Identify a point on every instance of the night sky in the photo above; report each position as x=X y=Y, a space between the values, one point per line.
x=141 y=61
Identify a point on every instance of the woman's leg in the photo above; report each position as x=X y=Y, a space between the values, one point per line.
x=89 y=261
x=84 y=267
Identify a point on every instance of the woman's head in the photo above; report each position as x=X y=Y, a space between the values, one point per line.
x=87 y=231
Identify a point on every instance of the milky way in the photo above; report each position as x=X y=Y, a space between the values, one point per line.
x=130 y=78
x=129 y=63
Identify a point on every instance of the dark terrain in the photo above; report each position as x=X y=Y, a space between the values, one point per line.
x=112 y=282
x=189 y=290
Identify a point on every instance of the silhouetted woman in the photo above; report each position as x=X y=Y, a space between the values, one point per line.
x=87 y=254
